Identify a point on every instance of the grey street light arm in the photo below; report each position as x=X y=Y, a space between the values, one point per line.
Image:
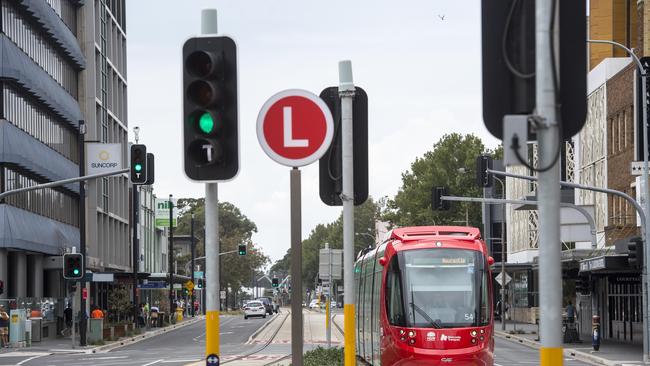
x=629 y=51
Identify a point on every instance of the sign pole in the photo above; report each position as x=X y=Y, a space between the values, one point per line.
x=550 y=286
x=209 y=26
x=329 y=302
x=346 y=92
x=296 y=270
x=82 y=232
x=170 y=256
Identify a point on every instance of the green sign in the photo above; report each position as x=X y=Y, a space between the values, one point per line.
x=162 y=213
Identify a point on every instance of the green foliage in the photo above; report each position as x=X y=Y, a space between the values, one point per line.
x=324 y=357
x=452 y=164
x=234 y=229
x=119 y=303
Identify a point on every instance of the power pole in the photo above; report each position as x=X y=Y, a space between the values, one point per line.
x=82 y=232
x=548 y=142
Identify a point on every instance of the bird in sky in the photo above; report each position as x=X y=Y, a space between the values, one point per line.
x=442 y=17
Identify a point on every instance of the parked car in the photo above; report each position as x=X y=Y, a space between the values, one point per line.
x=268 y=304
x=314 y=304
x=254 y=308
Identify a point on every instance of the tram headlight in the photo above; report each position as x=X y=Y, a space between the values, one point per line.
x=481 y=338
x=482 y=331
x=412 y=341
x=473 y=333
x=411 y=333
x=473 y=340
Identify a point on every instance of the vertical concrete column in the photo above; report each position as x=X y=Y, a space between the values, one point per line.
x=4 y=272
x=18 y=275
x=35 y=271
x=54 y=278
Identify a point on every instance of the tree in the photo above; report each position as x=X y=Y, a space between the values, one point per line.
x=439 y=167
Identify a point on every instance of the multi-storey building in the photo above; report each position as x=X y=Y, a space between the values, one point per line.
x=63 y=61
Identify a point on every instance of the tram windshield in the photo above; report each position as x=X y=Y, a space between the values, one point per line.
x=443 y=288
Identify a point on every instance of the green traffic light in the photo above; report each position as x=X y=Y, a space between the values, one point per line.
x=206 y=123
x=75 y=271
x=138 y=167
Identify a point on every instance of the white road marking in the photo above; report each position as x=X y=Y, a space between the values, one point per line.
x=102 y=358
x=28 y=359
x=151 y=363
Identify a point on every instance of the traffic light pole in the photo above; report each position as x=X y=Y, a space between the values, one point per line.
x=136 y=249
x=346 y=92
x=548 y=187
x=82 y=231
x=209 y=26
x=170 y=256
x=193 y=259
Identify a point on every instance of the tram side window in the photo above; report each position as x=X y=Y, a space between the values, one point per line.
x=394 y=304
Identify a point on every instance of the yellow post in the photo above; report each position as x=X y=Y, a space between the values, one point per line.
x=349 y=344
x=212 y=333
x=327 y=313
x=551 y=356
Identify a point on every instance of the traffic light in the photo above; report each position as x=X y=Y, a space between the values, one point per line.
x=508 y=39
x=583 y=286
x=73 y=266
x=330 y=166
x=242 y=249
x=275 y=282
x=437 y=203
x=210 y=119
x=483 y=178
x=138 y=164
x=635 y=252
x=150 y=169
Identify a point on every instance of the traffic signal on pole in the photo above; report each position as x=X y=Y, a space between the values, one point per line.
x=210 y=117
x=275 y=282
x=508 y=38
x=437 y=203
x=330 y=166
x=635 y=252
x=483 y=178
x=138 y=164
x=242 y=249
x=583 y=286
x=73 y=266
x=150 y=169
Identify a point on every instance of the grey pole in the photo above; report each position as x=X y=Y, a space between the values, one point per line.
x=503 y=262
x=329 y=301
x=136 y=250
x=83 y=322
x=646 y=188
x=170 y=256
x=296 y=270
x=346 y=92
x=192 y=261
x=550 y=284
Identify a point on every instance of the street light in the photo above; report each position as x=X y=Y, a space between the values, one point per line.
x=646 y=307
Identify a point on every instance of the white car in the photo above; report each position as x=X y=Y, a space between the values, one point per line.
x=254 y=308
x=313 y=304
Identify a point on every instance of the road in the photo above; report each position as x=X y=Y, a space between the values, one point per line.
x=187 y=345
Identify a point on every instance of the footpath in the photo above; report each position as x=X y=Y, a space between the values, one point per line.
x=610 y=353
x=64 y=344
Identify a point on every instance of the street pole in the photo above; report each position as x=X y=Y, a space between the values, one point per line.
x=329 y=304
x=212 y=265
x=346 y=92
x=171 y=256
x=296 y=269
x=82 y=232
x=193 y=259
x=548 y=138
x=503 y=261
x=136 y=249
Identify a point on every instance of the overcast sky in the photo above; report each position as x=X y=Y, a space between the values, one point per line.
x=422 y=75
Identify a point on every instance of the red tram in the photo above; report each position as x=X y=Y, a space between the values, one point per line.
x=424 y=297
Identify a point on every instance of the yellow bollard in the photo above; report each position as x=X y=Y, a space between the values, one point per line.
x=212 y=333
x=350 y=346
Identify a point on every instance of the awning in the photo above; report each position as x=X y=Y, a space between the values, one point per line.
x=606 y=263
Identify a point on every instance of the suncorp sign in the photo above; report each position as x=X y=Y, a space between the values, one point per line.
x=102 y=158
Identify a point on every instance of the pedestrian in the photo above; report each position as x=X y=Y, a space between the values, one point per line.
x=4 y=327
x=570 y=313
x=67 y=317
x=97 y=313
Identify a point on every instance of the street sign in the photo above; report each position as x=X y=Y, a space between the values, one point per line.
x=636 y=168
x=295 y=127
x=324 y=264
x=198 y=274
x=162 y=212
x=102 y=158
x=212 y=360
x=189 y=285
x=222 y=295
x=498 y=278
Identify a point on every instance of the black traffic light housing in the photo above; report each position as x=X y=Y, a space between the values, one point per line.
x=242 y=249
x=73 y=266
x=151 y=175
x=635 y=252
x=437 y=203
x=330 y=166
x=210 y=117
x=583 y=286
x=483 y=178
x=275 y=282
x=138 y=164
x=508 y=38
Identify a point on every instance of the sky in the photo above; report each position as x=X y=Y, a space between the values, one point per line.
x=420 y=65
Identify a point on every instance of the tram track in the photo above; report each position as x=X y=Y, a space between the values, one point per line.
x=264 y=345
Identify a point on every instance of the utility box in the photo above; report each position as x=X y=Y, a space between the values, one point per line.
x=17 y=327
x=96 y=330
x=37 y=327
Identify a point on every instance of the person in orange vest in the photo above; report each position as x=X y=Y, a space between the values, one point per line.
x=97 y=314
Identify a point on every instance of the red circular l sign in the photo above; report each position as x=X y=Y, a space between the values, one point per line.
x=295 y=127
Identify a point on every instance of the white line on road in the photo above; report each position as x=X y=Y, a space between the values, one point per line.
x=102 y=358
x=28 y=359
x=151 y=363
